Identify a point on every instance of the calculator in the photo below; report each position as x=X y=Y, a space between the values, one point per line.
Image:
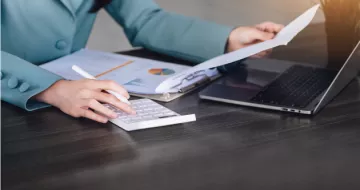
x=149 y=114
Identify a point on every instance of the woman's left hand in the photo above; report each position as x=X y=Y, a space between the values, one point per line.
x=245 y=36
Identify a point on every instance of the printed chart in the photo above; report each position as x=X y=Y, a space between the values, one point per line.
x=161 y=71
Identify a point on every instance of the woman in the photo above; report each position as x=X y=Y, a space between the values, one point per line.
x=35 y=32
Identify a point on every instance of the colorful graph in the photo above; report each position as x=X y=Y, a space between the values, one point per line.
x=161 y=71
x=135 y=82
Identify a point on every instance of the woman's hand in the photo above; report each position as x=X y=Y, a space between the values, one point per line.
x=245 y=36
x=83 y=97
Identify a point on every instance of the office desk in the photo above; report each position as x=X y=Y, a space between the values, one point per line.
x=229 y=147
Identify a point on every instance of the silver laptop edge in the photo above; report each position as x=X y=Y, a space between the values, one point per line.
x=344 y=76
x=249 y=104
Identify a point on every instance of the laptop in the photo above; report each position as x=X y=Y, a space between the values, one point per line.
x=283 y=85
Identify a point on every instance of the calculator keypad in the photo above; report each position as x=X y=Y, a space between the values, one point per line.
x=146 y=110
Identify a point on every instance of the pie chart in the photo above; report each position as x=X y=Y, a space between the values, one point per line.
x=161 y=71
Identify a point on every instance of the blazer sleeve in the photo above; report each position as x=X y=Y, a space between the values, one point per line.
x=21 y=80
x=147 y=25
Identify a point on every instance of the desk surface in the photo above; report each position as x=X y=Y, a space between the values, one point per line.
x=229 y=147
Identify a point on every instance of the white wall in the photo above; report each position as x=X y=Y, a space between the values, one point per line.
x=108 y=36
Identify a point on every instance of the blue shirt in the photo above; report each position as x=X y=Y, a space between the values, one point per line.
x=35 y=32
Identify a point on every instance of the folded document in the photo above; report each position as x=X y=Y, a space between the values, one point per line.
x=282 y=38
x=149 y=77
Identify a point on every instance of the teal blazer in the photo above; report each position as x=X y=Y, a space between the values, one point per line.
x=35 y=32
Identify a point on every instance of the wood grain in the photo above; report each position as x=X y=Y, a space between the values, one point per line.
x=229 y=147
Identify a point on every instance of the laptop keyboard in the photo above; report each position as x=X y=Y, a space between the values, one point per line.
x=296 y=87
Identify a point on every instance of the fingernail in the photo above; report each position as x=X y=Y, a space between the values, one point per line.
x=104 y=120
x=133 y=112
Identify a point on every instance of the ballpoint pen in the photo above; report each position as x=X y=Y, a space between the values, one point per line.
x=88 y=76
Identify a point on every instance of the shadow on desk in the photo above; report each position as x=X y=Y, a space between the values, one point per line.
x=37 y=145
x=228 y=147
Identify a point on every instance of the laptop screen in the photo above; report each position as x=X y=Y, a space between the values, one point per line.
x=347 y=72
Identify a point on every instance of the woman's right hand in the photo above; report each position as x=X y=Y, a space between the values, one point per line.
x=83 y=98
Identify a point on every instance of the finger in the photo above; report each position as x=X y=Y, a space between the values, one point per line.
x=260 y=27
x=110 y=99
x=260 y=55
x=264 y=53
x=93 y=116
x=256 y=56
x=111 y=85
x=95 y=105
x=270 y=27
x=258 y=35
x=268 y=52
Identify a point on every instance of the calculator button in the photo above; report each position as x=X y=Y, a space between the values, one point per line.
x=146 y=110
x=147 y=117
x=168 y=113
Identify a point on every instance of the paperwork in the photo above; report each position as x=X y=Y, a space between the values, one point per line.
x=144 y=76
x=137 y=75
x=282 y=38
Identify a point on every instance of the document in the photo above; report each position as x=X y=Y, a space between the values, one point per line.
x=149 y=77
x=137 y=75
x=282 y=38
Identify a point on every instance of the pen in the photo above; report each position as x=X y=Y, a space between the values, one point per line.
x=83 y=73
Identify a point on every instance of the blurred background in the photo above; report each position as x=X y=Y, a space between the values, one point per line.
x=229 y=12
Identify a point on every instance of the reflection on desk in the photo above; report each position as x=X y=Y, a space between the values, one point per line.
x=229 y=147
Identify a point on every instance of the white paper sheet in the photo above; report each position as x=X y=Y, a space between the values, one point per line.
x=92 y=62
x=283 y=38
x=137 y=77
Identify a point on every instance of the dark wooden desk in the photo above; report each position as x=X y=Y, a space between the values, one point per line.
x=229 y=147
